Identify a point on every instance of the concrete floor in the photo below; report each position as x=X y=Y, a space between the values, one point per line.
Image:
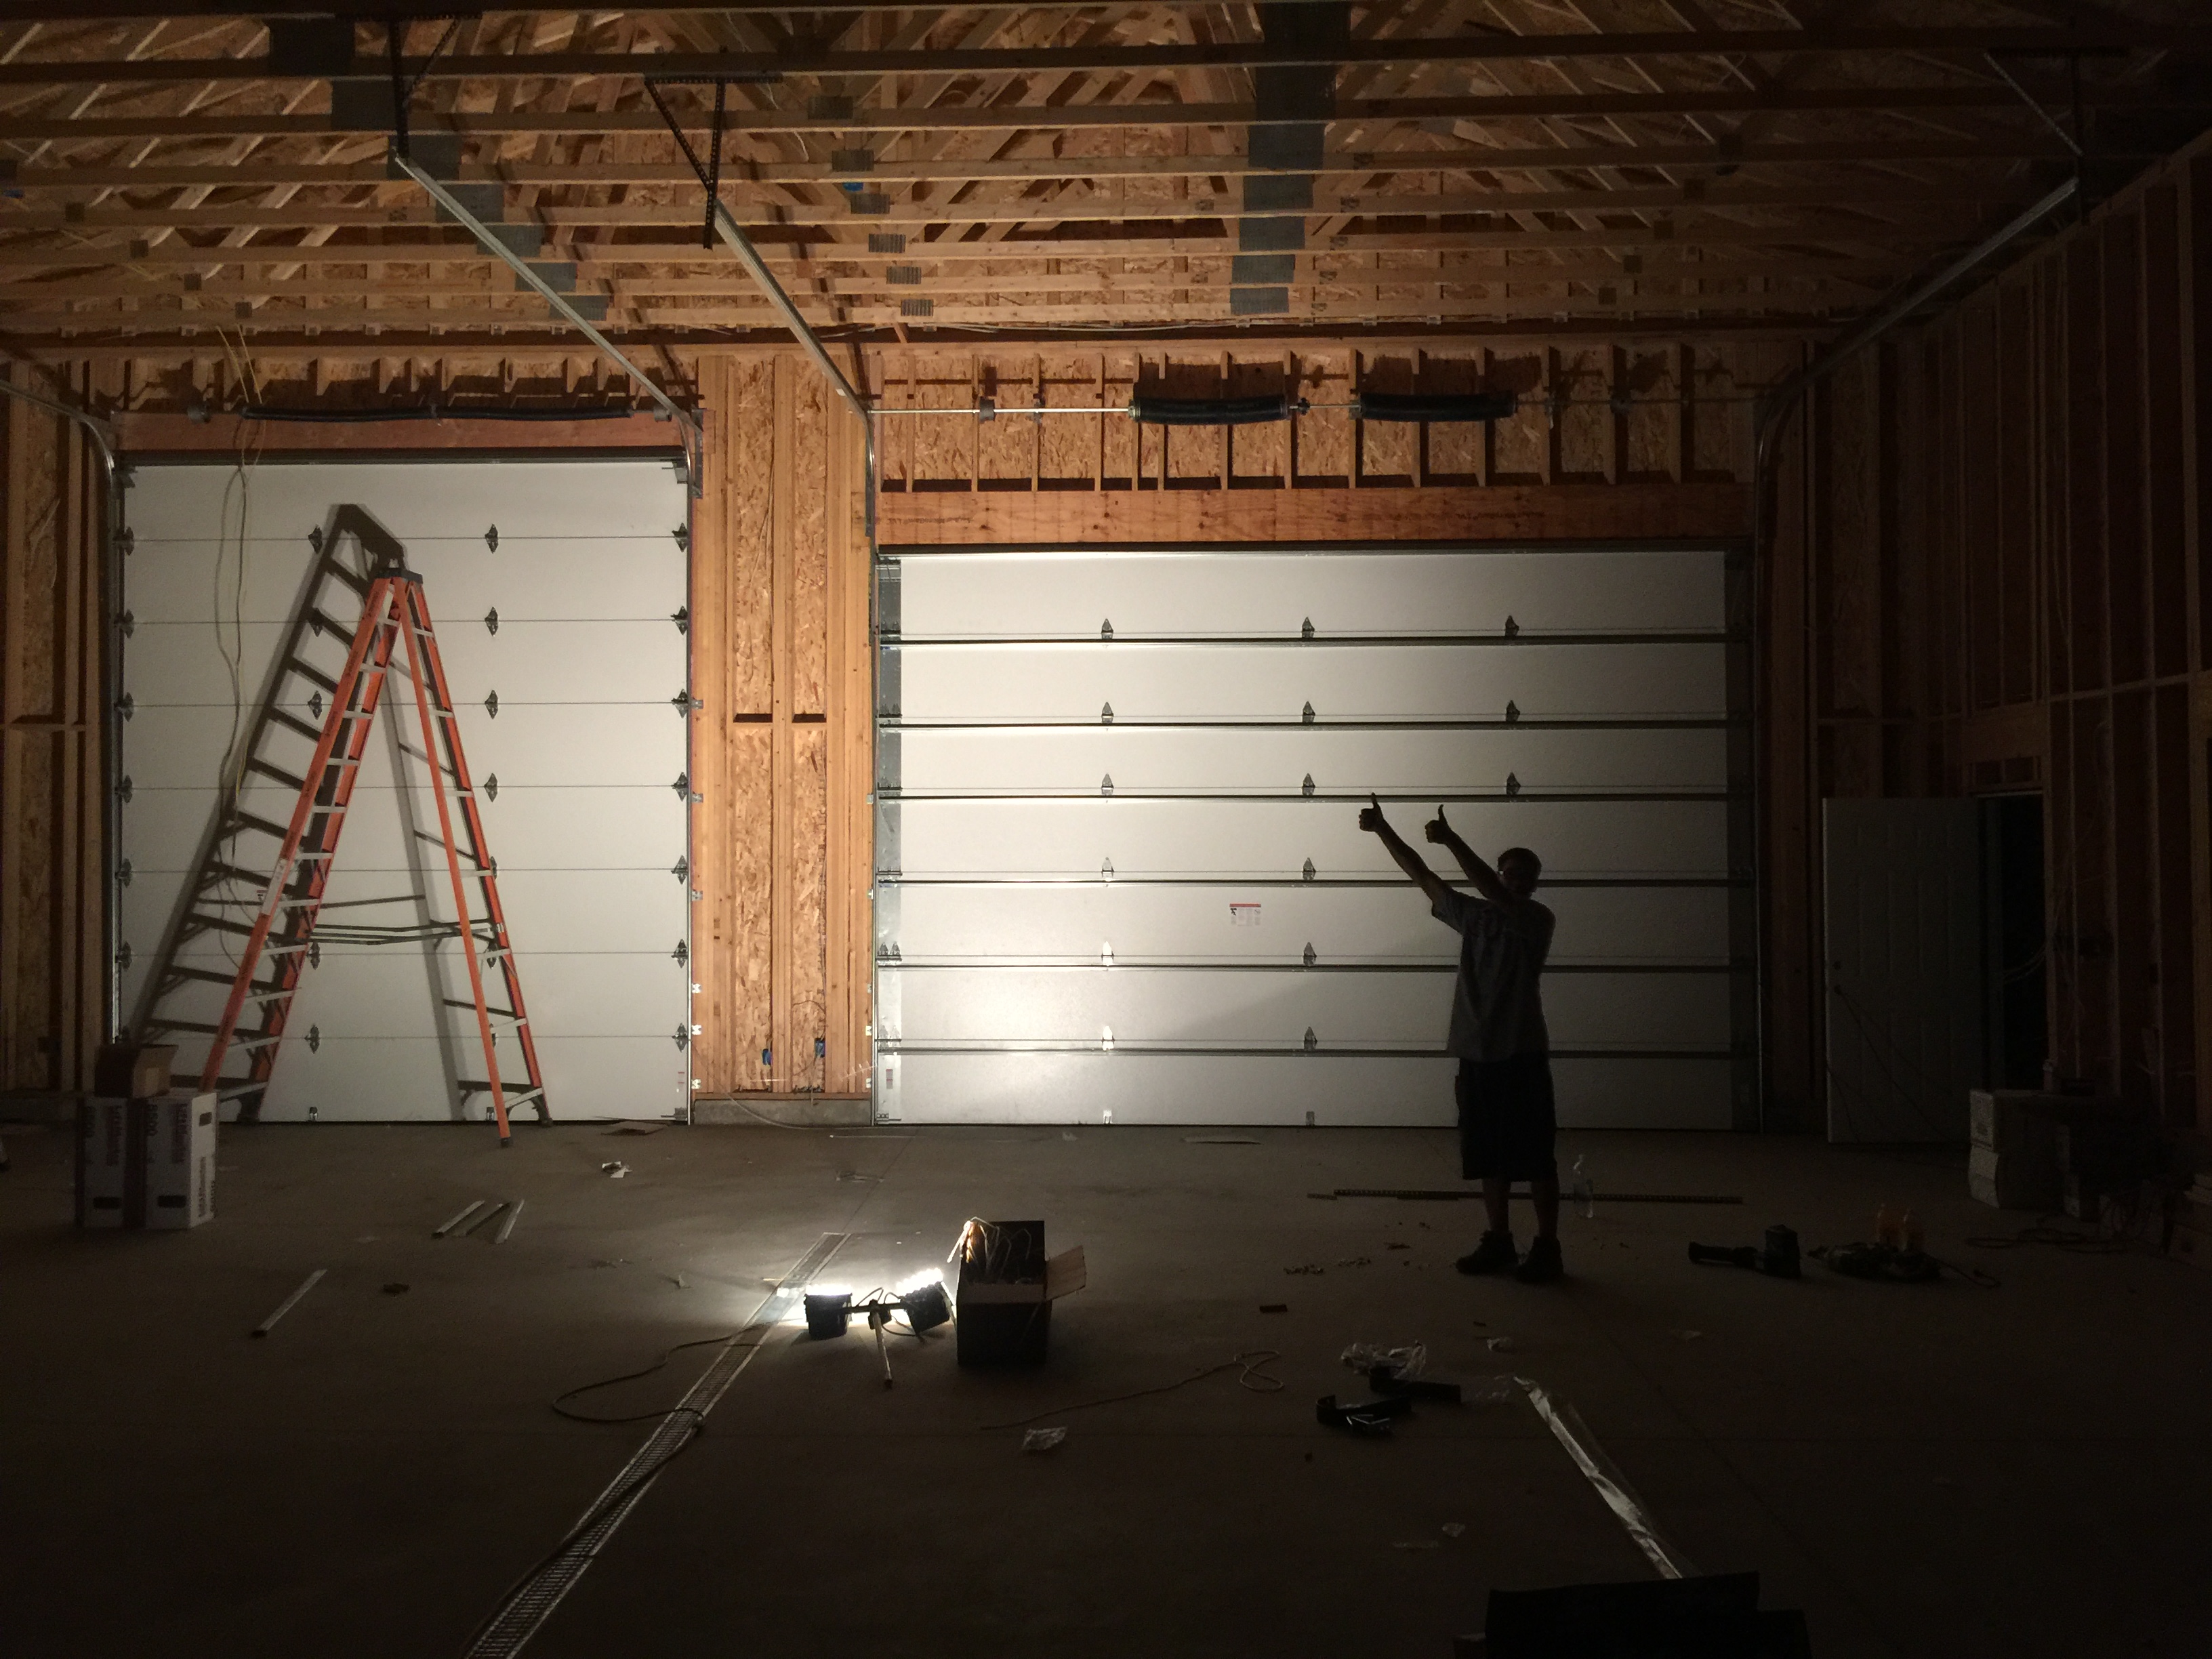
x=1929 y=1470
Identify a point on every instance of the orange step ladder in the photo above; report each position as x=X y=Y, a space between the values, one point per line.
x=395 y=621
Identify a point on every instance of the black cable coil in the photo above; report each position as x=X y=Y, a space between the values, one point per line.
x=1435 y=406
x=1148 y=409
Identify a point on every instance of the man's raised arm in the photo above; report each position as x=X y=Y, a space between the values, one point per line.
x=1372 y=821
x=1478 y=871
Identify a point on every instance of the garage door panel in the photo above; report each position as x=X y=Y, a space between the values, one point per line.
x=622 y=827
x=441 y=501
x=1146 y=837
x=1620 y=923
x=387 y=991
x=1144 y=1005
x=1034 y=904
x=1340 y=682
x=1077 y=758
x=586 y=823
x=526 y=744
x=565 y=662
x=193 y=580
x=1375 y=592
x=1417 y=1092
x=378 y=1080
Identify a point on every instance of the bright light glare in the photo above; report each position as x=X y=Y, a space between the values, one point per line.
x=829 y=1290
x=922 y=1280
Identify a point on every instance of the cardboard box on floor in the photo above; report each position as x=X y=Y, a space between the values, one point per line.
x=103 y=1161
x=179 y=1131
x=146 y=1162
x=1006 y=1289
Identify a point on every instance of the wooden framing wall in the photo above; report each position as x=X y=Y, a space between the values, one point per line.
x=783 y=740
x=1648 y=438
x=53 y=915
x=1987 y=578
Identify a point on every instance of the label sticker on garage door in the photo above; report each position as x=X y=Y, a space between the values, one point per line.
x=1244 y=915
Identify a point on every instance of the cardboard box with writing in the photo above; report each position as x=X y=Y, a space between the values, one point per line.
x=179 y=1138
x=103 y=1162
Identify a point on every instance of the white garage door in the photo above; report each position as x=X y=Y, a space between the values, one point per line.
x=555 y=590
x=1119 y=873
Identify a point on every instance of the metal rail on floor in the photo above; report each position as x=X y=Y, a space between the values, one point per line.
x=532 y=1600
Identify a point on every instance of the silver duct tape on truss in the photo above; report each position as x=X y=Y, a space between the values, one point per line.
x=1568 y=1428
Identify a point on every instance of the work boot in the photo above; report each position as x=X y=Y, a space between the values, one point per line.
x=1543 y=1264
x=1495 y=1255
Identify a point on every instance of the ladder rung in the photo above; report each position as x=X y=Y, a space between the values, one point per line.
x=248 y=821
x=207 y=975
x=199 y=922
x=496 y=1013
x=308 y=672
x=254 y=1042
x=192 y=1025
x=287 y=779
x=515 y=1096
x=284 y=717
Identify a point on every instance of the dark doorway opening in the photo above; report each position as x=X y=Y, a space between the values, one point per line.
x=2012 y=955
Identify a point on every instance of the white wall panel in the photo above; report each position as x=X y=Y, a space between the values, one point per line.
x=587 y=747
x=1240 y=837
x=994 y=829
x=1142 y=758
x=1341 y=681
x=1339 y=593
x=1248 y=1005
x=1663 y=924
x=1416 y=1092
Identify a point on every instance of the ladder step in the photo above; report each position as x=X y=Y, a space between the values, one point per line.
x=205 y=976
x=248 y=821
x=496 y=1013
x=214 y=873
x=515 y=1096
x=197 y=1027
x=292 y=722
x=288 y=780
x=200 y=922
x=312 y=675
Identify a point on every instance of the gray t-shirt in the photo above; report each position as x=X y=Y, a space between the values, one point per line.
x=1498 y=1006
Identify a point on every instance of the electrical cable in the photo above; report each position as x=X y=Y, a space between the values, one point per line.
x=1254 y=1376
x=659 y=1364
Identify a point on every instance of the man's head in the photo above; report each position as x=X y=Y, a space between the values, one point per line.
x=1519 y=869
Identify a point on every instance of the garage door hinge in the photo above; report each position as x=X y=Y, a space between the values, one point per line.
x=1311 y=871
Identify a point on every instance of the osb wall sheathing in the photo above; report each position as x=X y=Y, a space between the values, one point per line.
x=1605 y=442
x=781 y=743
x=53 y=916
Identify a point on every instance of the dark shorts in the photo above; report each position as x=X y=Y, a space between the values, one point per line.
x=1506 y=1119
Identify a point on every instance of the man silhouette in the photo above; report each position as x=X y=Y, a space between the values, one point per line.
x=1507 y=1120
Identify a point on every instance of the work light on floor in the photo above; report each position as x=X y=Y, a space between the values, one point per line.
x=826 y=1308
x=924 y=1300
